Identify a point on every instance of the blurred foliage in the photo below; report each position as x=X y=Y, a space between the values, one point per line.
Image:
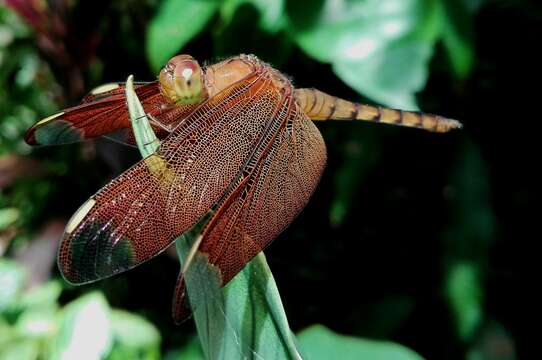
x=410 y=238
x=468 y=241
x=26 y=83
x=318 y=342
x=379 y=48
x=166 y=34
x=34 y=326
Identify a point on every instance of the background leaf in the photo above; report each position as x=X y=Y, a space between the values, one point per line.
x=271 y=12
x=319 y=343
x=12 y=278
x=41 y=323
x=85 y=329
x=45 y=295
x=134 y=337
x=465 y=295
x=191 y=351
x=379 y=48
x=174 y=25
x=8 y=216
x=134 y=331
x=20 y=350
x=457 y=36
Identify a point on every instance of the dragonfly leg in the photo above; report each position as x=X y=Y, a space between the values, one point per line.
x=155 y=122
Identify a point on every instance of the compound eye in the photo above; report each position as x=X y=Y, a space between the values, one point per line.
x=182 y=80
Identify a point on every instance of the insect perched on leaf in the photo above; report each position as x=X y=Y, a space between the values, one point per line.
x=237 y=144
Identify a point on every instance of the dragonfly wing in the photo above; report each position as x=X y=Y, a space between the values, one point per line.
x=276 y=192
x=140 y=213
x=104 y=112
x=143 y=91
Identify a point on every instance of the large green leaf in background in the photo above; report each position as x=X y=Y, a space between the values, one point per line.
x=379 y=48
x=244 y=320
x=457 y=34
x=175 y=24
x=272 y=12
x=320 y=343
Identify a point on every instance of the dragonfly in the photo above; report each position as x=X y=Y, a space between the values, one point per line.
x=238 y=143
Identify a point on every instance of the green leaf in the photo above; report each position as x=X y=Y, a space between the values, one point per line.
x=379 y=48
x=134 y=331
x=25 y=349
x=7 y=333
x=245 y=319
x=84 y=329
x=271 y=12
x=191 y=351
x=318 y=342
x=465 y=295
x=45 y=295
x=8 y=216
x=175 y=24
x=457 y=35
x=134 y=337
x=12 y=278
x=261 y=41
x=38 y=323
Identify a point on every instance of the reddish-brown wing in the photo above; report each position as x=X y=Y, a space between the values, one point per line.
x=144 y=90
x=104 y=112
x=141 y=212
x=273 y=196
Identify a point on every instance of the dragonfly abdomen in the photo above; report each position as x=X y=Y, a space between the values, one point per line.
x=320 y=106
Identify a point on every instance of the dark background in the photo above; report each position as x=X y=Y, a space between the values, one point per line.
x=413 y=237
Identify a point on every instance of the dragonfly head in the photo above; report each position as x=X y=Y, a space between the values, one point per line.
x=181 y=81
